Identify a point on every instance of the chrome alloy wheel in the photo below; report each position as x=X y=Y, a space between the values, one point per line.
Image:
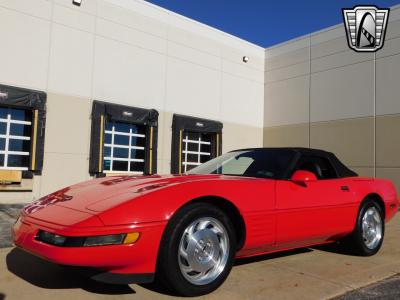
x=203 y=251
x=372 y=228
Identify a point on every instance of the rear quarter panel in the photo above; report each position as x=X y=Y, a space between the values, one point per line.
x=384 y=188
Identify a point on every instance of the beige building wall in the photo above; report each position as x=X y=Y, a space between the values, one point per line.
x=321 y=94
x=128 y=52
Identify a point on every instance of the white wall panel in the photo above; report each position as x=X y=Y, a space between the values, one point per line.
x=128 y=75
x=71 y=61
x=340 y=59
x=24 y=49
x=192 y=89
x=193 y=55
x=291 y=71
x=341 y=93
x=184 y=37
x=131 y=36
x=134 y=20
x=68 y=16
x=242 y=101
x=286 y=102
x=87 y=6
x=235 y=55
x=287 y=58
x=37 y=8
x=242 y=70
x=330 y=47
x=287 y=47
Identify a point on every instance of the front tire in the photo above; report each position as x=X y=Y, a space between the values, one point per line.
x=367 y=237
x=197 y=250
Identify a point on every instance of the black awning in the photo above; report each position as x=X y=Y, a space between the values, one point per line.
x=23 y=98
x=122 y=113
x=181 y=122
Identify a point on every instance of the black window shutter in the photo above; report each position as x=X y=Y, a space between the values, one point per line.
x=181 y=123
x=35 y=101
x=102 y=111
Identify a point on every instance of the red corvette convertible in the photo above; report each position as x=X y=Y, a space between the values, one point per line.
x=187 y=230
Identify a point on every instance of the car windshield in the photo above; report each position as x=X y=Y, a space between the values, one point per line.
x=263 y=163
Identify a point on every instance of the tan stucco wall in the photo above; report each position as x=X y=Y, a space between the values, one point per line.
x=296 y=135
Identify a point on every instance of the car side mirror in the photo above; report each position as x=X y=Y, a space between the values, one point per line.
x=302 y=177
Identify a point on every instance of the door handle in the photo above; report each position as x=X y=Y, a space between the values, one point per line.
x=345 y=188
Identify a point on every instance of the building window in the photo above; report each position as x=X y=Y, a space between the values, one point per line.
x=123 y=141
x=194 y=141
x=15 y=138
x=196 y=149
x=22 y=131
x=124 y=147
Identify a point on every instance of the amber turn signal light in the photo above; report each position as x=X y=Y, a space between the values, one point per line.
x=131 y=238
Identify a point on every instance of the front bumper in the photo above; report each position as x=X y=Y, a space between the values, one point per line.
x=130 y=263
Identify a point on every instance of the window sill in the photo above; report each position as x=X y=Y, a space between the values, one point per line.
x=26 y=185
x=113 y=174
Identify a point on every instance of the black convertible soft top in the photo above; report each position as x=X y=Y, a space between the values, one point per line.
x=341 y=169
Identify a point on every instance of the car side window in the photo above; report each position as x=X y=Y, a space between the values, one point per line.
x=320 y=166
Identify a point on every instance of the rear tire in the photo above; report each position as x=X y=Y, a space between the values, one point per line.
x=197 y=250
x=367 y=237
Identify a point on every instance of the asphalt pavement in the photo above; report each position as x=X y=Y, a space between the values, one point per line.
x=388 y=289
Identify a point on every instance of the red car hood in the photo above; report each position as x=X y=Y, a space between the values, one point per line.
x=98 y=195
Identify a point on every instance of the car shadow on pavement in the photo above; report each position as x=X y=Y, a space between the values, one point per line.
x=253 y=259
x=337 y=248
x=51 y=276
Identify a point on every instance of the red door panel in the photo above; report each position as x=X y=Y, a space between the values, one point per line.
x=313 y=213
